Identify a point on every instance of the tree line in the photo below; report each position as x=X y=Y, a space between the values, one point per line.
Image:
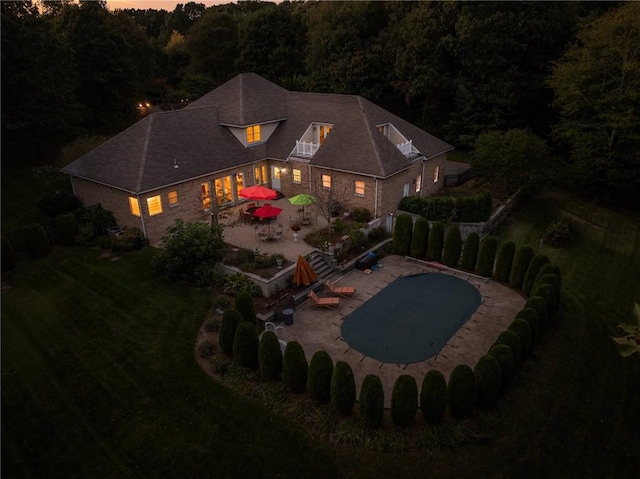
x=457 y=69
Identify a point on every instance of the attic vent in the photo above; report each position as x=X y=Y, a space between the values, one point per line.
x=175 y=163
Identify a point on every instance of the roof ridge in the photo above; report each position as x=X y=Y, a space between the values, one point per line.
x=369 y=132
x=143 y=160
x=241 y=91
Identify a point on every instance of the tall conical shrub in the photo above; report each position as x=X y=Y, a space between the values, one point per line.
x=319 y=376
x=419 y=239
x=539 y=305
x=230 y=321
x=521 y=261
x=372 y=401
x=436 y=242
x=452 y=246
x=521 y=327
x=531 y=317
x=245 y=346
x=402 y=234
x=536 y=263
x=504 y=261
x=470 y=252
x=404 y=400
x=463 y=391
x=294 y=367
x=487 y=256
x=433 y=397
x=343 y=388
x=243 y=304
x=512 y=339
x=270 y=356
x=489 y=379
x=504 y=355
x=548 y=269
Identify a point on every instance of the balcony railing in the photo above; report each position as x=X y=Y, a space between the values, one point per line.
x=407 y=149
x=306 y=149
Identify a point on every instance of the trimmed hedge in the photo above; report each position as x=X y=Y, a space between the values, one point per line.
x=521 y=261
x=470 y=252
x=489 y=379
x=548 y=293
x=539 y=305
x=473 y=208
x=553 y=280
x=230 y=321
x=270 y=356
x=452 y=246
x=36 y=241
x=372 y=401
x=504 y=261
x=420 y=238
x=531 y=317
x=507 y=362
x=294 y=367
x=402 y=234
x=404 y=400
x=511 y=339
x=245 y=346
x=548 y=269
x=8 y=256
x=433 y=397
x=463 y=391
x=67 y=228
x=319 y=376
x=487 y=256
x=521 y=327
x=535 y=265
x=436 y=242
x=343 y=388
x=243 y=304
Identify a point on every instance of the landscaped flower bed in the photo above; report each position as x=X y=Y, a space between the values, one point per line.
x=263 y=265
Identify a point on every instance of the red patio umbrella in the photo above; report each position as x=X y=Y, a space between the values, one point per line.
x=258 y=192
x=267 y=211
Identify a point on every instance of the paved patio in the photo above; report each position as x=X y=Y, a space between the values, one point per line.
x=319 y=328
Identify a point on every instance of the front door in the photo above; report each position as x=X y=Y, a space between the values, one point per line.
x=275 y=177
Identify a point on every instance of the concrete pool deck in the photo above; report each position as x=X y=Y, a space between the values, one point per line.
x=317 y=328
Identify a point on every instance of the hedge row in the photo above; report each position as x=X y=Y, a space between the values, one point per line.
x=474 y=209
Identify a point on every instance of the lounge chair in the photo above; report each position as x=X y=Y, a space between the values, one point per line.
x=330 y=303
x=344 y=291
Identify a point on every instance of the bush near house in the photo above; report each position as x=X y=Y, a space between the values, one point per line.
x=402 y=234
x=489 y=379
x=36 y=241
x=404 y=400
x=420 y=238
x=433 y=397
x=8 y=255
x=452 y=247
x=94 y=221
x=558 y=234
x=294 y=367
x=372 y=401
x=67 y=228
x=521 y=261
x=504 y=355
x=343 y=388
x=504 y=261
x=230 y=321
x=537 y=262
x=319 y=376
x=243 y=304
x=245 y=346
x=512 y=339
x=58 y=202
x=436 y=241
x=270 y=356
x=470 y=252
x=486 y=256
x=522 y=328
x=531 y=317
x=473 y=208
x=463 y=391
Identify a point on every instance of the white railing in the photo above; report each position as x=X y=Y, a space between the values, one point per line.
x=304 y=148
x=407 y=148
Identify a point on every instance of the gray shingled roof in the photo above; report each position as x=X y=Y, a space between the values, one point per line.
x=141 y=158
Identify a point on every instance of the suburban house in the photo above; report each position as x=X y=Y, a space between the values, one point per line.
x=178 y=164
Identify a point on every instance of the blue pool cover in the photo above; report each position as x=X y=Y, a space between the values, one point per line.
x=412 y=318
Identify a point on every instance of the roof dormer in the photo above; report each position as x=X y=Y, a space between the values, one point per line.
x=402 y=143
x=313 y=137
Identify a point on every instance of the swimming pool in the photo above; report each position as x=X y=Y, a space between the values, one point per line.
x=412 y=318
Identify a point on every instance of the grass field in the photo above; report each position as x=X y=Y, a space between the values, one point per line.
x=99 y=378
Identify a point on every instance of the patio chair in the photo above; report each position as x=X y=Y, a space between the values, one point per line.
x=344 y=291
x=331 y=303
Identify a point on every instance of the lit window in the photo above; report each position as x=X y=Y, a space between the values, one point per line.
x=134 y=206
x=297 y=176
x=326 y=181
x=324 y=131
x=206 y=195
x=155 y=205
x=436 y=174
x=359 y=188
x=253 y=134
x=239 y=182
x=173 y=197
x=418 y=183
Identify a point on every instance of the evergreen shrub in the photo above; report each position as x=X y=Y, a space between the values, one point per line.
x=487 y=256
x=504 y=355
x=463 y=391
x=404 y=400
x=295 y=367
x=534 y=267
x=470 y=252
x=9 y=257
x=402 y=234
x=36 y=241
x=523 y=330
x=58 y=202
x=246 y=345
x=230 y=321
x=372 y=401
x=343 y=388
x=548 y=269
x=504 y=261
x=531 y=317
x=243 y=304
x=433 y=397
x=436 y=242
x=552 y=280
x=452 y=246
x=539 y=305
x=419 y=239
x=511 y=339
x=67 y=228
x=521 y=261
x=489 y=379
x=319 y=376
x=548 y=293
x=270 y=356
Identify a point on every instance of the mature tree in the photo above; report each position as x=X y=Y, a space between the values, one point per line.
x=514 y=158
x=597 y=85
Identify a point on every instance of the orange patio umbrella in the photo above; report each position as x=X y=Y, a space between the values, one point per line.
x=304 y=273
